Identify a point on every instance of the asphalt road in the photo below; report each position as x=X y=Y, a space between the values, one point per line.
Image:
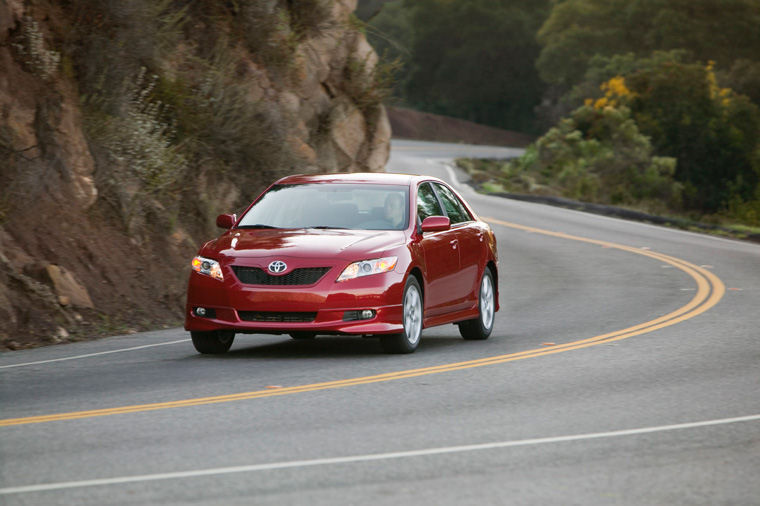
x=624 y=369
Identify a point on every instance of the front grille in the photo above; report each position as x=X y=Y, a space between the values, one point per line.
x=256 y=276
x=274 y=316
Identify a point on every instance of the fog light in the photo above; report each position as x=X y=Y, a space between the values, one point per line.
x=204 y=312
x=363 y=314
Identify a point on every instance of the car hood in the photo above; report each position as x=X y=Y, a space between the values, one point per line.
x=303 y=243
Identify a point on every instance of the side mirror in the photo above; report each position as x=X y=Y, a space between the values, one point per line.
x=226 y=221
x=435 y=224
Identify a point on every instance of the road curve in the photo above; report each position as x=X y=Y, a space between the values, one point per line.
x=624 y=368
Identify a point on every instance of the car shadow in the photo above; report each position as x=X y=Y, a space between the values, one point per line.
x=328 y=346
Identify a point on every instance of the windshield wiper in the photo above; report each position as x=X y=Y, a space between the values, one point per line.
x=326 y=227
x=258 y=225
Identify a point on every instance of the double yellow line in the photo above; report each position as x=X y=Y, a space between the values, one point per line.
x=710 y=290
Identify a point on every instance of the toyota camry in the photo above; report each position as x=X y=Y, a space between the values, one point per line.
x=382 y=255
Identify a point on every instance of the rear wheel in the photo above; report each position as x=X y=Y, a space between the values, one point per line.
x=407 y=341
x=480 y=328
x=214 y=342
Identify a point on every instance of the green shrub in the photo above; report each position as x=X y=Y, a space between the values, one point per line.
x=243 y=135
x=141 y=160
x=142 y=138
x=272 y=29
x=111 y=40
x=595 y=155
x=266 y=29
x=310 y=17
x=369 y=86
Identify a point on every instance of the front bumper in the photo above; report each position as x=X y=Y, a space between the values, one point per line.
x=229 y=303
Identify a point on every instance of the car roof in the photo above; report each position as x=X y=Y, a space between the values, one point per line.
x=356 y=177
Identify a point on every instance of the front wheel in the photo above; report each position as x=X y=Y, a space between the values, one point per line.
x=407 y=341
x=480 y=328
x=214 y=342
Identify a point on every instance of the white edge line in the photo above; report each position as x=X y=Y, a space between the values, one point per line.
x=367 y=458
x=92 y=354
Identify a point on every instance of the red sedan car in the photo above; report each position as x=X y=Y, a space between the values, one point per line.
x=359 y=254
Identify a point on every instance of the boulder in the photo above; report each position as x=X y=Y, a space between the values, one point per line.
x=290 y=103
x=363 y=52
x=379 y=144
x=326 y=156
x=75 y=153
x=302 y=151
x=7 y=313
x=342 y=9
x=65 y=286
x=349 y=132
x=318 y=54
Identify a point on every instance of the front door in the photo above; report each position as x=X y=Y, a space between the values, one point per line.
x=470 y=238
x=441 y=253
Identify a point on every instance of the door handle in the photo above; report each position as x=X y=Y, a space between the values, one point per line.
x=454 y=243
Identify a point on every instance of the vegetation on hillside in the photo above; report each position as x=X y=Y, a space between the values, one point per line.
x=173 y=93
x=675 y=73
x=154 y=124
x=644 y=103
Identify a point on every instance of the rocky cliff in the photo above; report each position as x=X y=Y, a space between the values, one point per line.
x=125 y=127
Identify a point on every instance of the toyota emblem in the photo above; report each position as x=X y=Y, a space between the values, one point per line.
x=277 y=267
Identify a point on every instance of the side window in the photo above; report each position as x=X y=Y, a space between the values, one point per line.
x=454 y=208
x=427 y=203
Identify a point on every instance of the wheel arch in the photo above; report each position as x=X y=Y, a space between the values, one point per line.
x=491 y=266
x=417 y=273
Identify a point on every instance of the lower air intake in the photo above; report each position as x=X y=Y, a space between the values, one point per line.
x=277 y=317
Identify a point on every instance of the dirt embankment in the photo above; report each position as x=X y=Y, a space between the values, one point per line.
x=424 y=126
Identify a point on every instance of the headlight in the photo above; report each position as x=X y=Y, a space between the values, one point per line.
x=367 y=267
x=208 y=267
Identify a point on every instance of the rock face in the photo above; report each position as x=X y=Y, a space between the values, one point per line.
x=65 y=245
x=40 y=123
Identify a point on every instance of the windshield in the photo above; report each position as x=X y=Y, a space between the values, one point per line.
x=331 y=205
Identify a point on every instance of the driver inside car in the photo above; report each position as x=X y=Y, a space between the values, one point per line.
x=394 y=210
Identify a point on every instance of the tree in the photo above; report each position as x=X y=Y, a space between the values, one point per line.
x=472 y=59
x=390 y=32
x=577 y=30
x=713 y=132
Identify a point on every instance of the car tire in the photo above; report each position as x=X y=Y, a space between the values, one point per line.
x=303 y=335
x=412 y=304
x=480 y=328
x=214 y=342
